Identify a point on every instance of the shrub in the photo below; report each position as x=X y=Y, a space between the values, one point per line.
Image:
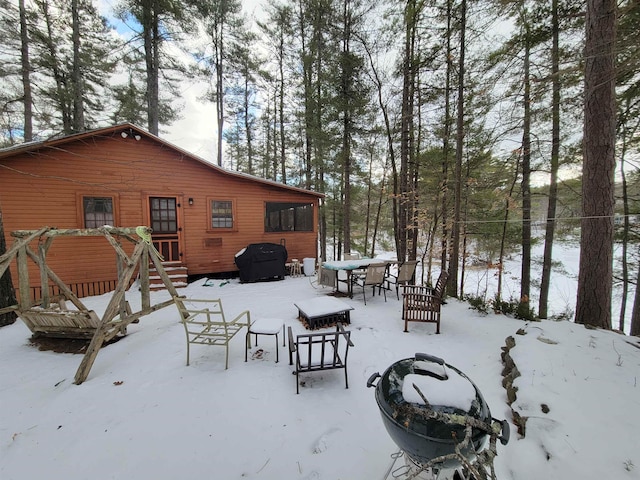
x=478 y=303
x=514 y=308
x=511 y=307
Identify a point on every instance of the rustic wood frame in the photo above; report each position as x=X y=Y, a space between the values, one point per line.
x=83 y=322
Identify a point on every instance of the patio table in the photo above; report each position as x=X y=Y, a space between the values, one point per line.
x=350 y=265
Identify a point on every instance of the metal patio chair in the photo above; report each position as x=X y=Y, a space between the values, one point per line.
x=374 y=276
x=205 y=323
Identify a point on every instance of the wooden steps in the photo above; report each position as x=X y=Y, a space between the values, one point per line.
x=177 y=273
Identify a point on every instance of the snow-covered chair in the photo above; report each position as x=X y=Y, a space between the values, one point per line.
x=316 y=352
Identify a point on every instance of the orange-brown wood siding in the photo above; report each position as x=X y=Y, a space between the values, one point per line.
x=45 y=188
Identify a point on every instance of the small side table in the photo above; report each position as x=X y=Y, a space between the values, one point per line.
x=296 y=270
x=265 y=326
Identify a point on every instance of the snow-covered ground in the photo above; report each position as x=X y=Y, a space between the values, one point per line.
x=142 y=413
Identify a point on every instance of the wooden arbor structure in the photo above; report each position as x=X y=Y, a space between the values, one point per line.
x=51 y=318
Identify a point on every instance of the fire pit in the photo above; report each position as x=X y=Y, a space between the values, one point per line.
x=425 y=406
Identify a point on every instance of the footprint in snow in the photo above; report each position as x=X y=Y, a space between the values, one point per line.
x=312 y=476
x=322 y=443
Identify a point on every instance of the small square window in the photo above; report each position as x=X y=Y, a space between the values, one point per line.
x=221 y=214
x=98 y=211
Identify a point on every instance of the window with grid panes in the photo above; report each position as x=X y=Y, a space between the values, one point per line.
x=163 y=215
x=221 y=214
x=288 y=217
x=98 y=211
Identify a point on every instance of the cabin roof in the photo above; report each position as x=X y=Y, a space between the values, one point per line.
x=128 y=127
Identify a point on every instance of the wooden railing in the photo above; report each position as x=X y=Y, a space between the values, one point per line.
x=82 y=289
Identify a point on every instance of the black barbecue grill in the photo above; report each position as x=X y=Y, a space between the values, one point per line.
x=425 y=431
x=261 y=261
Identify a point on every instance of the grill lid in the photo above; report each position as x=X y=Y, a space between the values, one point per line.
x=446 y=390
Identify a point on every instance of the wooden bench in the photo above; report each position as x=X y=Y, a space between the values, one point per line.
x=61 y=323
x=316 y=352
x=323 y=312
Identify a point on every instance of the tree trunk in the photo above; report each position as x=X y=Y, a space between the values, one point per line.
x=406 y=144
x=593 y=306
x=625 y=245
x=503 y=238
x=627 y=132
x=307 y=92
x=218 y=46
x=445 y=144
x=414 y=174
x=248 y=128
x=316 y=110
x=346 y=109
x=151 y=51
x=27 y=100
x=7 y=294
x=464 y=218
x=635 y=315
x=283 y=143
x=57 y=71
x=367 y=216
x=274 y=137
x=378 y=213
x=525 y=267
x=76 y=74
x=555 y=162
x=452 y=286
x=391 y=158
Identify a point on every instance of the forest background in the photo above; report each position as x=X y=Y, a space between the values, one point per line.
x=442 y=130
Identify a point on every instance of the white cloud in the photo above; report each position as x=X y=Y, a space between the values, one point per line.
x=196 y=131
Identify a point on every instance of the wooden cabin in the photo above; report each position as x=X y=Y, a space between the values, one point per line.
x=123 y=176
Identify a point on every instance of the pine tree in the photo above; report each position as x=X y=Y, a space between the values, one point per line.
x=224 y=26
x=593 y=306
x=160 y=23
x=71 y=55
